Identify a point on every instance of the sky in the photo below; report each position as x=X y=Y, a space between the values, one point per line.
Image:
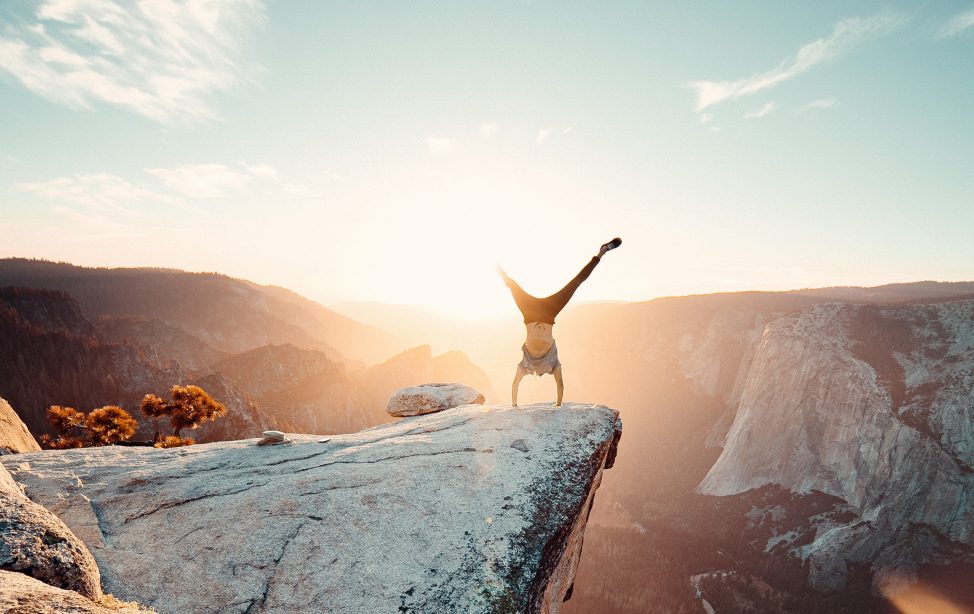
x=399 y=152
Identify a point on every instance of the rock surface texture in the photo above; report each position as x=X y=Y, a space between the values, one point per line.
x=431 y=398
x=20 y=594
x=435 y=513
x=871 y=404
x=35 y=542
x=14 y=436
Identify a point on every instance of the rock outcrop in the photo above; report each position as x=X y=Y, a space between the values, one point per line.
x=35 y=542
x=873 y=405
x=14 y=436
x=431 y=398
x=428 y=514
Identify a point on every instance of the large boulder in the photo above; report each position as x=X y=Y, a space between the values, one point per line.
x=438 y=513
x=35 y=542
x=431 y=398
x=14 y=436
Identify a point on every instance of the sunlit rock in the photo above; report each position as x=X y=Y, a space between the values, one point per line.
x=14 y=436
x=431 y=398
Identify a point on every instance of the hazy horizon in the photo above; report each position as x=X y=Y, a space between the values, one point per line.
x=350 y=308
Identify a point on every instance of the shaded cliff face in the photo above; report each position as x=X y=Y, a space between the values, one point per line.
x=871 y=404
x=474 y=509
x=41 y=366
x=161 y=343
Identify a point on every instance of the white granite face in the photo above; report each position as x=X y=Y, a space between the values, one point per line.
x=814 y=416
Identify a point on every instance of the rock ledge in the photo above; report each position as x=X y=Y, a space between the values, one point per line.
x=432 y=513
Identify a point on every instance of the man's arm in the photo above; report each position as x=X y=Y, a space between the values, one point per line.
x=561 y=384
x=518 y=376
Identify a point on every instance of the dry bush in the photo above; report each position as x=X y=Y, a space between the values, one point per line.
x=171 y=441
x=101 y=427
x=110 y=424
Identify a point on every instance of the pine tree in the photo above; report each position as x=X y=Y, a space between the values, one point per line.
x=190 y=407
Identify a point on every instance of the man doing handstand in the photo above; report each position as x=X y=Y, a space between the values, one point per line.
x=540 y=354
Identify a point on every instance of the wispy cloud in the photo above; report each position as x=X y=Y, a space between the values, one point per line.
x=489 y=130
x=211 y=180
x=821 y=103
x=543 y=135
x=957 y=24
x=261 y=171
x=97 y=198
x=101 y=192
x=769 y=107
x=159 y=59
x=846 y=34
x=440 y=146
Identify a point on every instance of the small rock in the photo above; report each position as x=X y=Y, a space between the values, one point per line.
x=518 y=444
x=431 y=398
x=272 y=438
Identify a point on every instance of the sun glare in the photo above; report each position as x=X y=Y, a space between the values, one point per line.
x=919 y=599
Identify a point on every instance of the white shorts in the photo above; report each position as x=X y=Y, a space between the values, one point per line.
x=541 y=364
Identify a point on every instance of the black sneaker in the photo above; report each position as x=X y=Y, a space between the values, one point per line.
x=614 y=243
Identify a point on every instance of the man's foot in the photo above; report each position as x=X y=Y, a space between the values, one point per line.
x=614 y=243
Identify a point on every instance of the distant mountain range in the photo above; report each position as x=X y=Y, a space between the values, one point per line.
x=276 y=359
x=230 y=315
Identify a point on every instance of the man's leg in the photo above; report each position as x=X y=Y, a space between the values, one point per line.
x=556 y=302
x=518 y=376
x=561 y=384
x=553 y=304
x=524 y=301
